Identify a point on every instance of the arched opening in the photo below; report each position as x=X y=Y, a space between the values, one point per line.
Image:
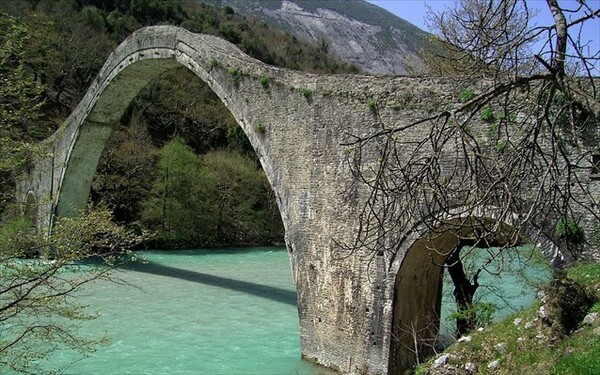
x=180 y=166
x=111 y=104
x=417 y=300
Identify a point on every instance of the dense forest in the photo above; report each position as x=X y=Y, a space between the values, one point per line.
x=177 y=164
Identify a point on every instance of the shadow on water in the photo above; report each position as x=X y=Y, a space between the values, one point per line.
x=263 y=291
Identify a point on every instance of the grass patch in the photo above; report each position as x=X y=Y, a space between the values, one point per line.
x=466 y=95
x=531 y=346
x=586 y=273
x=581 y=354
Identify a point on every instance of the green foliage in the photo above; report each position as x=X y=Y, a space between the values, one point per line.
x=175 y=205
x=370 y=104
x=153 y=11
x=235 y=74
x=482 y=311
x=586 y=273
x=584 y=361
x=220 y=198
x=38 y=312
x=260 y=128
x=487 y=115
x=466 y=95
x=307 y=93
x=128 y=168
x=533 y=347
x=238 y=142
x=568 y=302
x=595 y=308
x=20 y=103
x=167 y=109
x=264 y=81
x=569 y=230
x=501 y=146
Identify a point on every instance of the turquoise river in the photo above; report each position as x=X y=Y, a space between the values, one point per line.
x=228 y=311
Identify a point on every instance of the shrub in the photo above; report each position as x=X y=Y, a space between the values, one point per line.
x=371 y=104
x=568 y=302
x=569 y=230
x=307 y=93
x=235 y=74
x=233 y=71
x=481 y=312
x=487 y=115
x=264 y=81
x=260 y=128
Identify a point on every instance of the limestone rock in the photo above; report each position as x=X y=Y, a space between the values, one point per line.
x=590 y=319
x=493 y=365
x=440 y=361
x=470 y=367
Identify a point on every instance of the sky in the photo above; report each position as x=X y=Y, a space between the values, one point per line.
x=414 y=11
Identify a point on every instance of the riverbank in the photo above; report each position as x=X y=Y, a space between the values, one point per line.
x=525 y=342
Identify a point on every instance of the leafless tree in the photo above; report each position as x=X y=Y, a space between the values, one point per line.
x=508 y=162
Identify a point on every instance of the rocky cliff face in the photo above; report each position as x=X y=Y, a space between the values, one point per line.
x=353 y=30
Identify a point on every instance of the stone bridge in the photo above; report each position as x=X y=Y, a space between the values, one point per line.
x=296 y=122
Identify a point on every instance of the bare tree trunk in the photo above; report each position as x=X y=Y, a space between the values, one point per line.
x=464 y=290
x=558 y=61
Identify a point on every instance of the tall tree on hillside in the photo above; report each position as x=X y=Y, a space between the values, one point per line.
x=20 y=103
x=38 y=313
x=536 y=93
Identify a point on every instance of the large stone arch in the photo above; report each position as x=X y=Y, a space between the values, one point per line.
x=298 y=124
x=127 y=71
x=417 y=289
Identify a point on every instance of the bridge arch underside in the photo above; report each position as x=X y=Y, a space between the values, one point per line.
x=417 y=296
x=96 y=129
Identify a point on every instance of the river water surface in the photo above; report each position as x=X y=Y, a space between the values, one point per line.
x=228 y=311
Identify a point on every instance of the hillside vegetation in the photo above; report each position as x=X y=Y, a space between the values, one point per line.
x=178 y=164
x=353 y=30
x=558 y=335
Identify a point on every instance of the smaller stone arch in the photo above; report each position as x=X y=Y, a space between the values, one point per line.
x=417 y=288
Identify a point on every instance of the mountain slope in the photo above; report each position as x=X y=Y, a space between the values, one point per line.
x=353 y=30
